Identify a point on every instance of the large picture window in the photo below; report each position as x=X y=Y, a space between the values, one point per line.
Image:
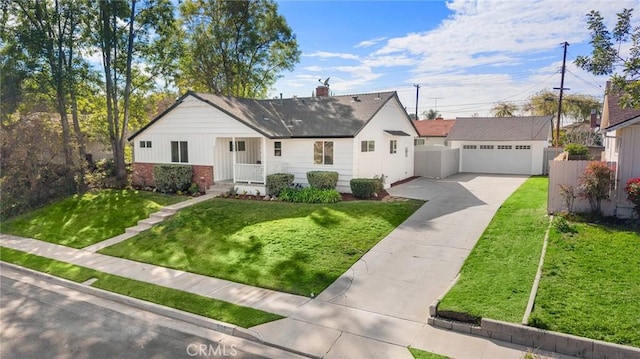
x=179 y=151
x=323 y=152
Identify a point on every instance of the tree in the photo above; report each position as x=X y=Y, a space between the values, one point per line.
x=128 y=34
x=431 y=114
x=607 y=58
x=235 y=48
x=504 y=109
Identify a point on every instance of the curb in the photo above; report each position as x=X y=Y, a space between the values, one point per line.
x=218 y=326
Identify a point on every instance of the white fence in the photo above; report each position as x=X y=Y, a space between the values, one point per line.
x=436 y=162
x=251 y=173
x=569 y=173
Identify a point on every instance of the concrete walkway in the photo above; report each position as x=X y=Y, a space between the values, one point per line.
x=380 y=305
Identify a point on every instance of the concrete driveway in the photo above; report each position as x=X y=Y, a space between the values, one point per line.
x=381 y=303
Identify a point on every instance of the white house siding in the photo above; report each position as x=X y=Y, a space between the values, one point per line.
x=195 y=122
x=297 y=154
x=611 y=146
x=501 y=161
x=628 y=166
x=396 y=166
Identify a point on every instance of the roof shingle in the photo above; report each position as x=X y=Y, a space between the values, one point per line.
x=536 y=128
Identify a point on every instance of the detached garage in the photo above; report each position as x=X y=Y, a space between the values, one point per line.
x=503 y=145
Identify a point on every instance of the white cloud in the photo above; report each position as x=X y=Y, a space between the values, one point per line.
x=326 y=54
x=369 y=43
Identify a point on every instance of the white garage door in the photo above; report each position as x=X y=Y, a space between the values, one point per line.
x=493 y=158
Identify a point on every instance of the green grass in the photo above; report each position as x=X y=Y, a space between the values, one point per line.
x=290 y=247
x=82 y=220
x=590 y=284
x=421 y=354
x=496 y=279
x=193 y=303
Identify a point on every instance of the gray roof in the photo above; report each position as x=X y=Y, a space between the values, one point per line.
x=333 y=116
x=530 y=128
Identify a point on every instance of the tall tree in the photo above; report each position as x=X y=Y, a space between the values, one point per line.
x=127 y=35
x=431 y=114
x=574 y=106
x=504 y=109
x=608 y=55
x=235 y=48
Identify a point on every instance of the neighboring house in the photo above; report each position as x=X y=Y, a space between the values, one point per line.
x=621 y=130
x=433 y=132
x=507 y=145
x=243 y=140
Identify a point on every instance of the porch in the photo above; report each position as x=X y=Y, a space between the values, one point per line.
x=244 y=160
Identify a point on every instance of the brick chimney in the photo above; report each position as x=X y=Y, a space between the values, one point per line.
x=322 y=91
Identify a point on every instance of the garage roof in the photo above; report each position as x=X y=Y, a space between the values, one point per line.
x=529 y=128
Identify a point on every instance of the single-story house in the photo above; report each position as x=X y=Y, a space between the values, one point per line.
x=621 y=132
x=241 y=140
x=505 y=145
x=433 y=132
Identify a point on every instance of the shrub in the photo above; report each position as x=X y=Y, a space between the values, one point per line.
x=277 y=182
x=632 y=189
x=322 y=179
x=595 y=184
x=172 y=178
x=194 y=189
x=568 y=195
x=310 y=195
x=576 y=149
x=364 y=188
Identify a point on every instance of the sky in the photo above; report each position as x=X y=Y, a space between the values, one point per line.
x=466 y=55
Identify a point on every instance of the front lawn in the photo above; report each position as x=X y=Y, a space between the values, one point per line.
x=290 y=247
x=421 y=354
x=189 y=302
x=496 y=279
x=82 y=220
x=590 y=284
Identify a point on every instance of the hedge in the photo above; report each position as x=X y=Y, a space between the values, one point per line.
x=322 y=179
x=172 y=178
x=310 y=195
x=364 y=188
x=277 y=182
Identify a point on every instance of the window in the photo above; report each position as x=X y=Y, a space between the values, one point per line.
x=277 y=148
x=145 y=144
x=418 y=142
x=179 y=151
x=486 y=147
x=240 y=146
x=505 y=147
x=393 y=146
x=368 y=146
x=468 y=147
x=523 y=147
x=323 y=152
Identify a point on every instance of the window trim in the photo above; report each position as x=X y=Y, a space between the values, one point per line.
x=368 y=146
x=321 y=158
x=277 y=149
x=145 y=144
x=393 y=146
x=179 y=151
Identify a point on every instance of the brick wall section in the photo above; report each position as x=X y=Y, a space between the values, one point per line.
x=203 y=176
x=142 y=175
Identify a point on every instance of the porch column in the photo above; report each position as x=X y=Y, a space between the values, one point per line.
x=233 y=147
x=264 y=160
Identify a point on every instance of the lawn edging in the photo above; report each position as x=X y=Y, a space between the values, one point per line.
x=216 y=325
x=536 y=281
x=539 y=339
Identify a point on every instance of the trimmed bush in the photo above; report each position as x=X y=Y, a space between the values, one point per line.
x=364 y=188
x=310 y=195
x=322 y=179
x=633 y=193
x=277 y=182
x=172 y=178
x=577 y=150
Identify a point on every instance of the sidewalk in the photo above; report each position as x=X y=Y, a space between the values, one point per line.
x=380 y=305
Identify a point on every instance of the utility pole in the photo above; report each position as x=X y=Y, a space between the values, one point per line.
x=561 y=88
x=417 y=86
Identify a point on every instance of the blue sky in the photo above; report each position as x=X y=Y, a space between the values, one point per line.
x=465 y=55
